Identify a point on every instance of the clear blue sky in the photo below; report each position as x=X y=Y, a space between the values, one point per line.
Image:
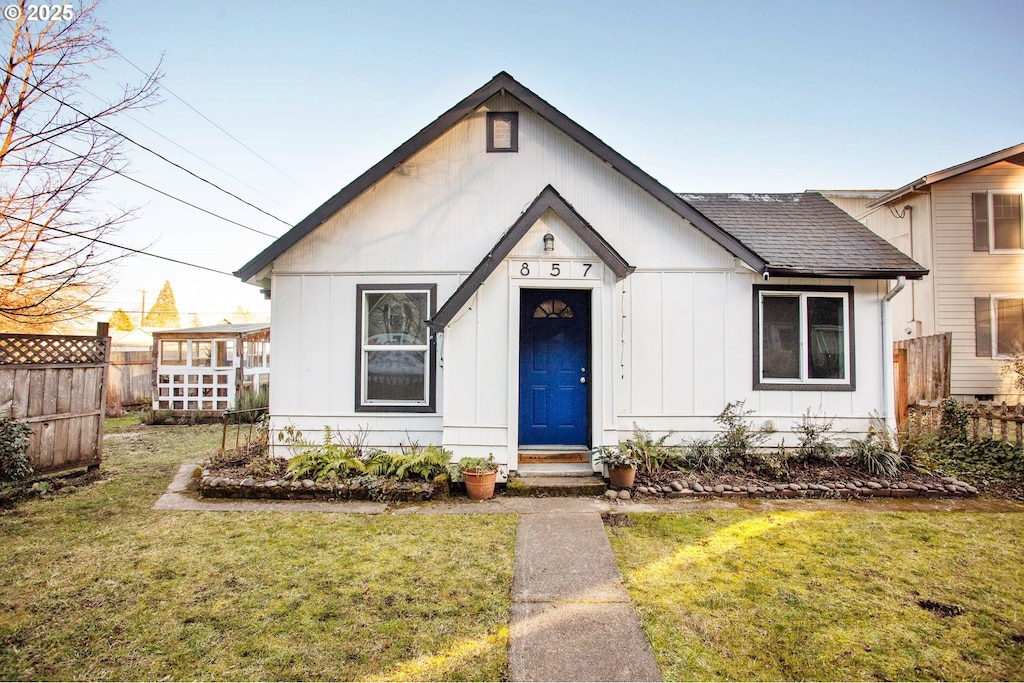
x=705 y=96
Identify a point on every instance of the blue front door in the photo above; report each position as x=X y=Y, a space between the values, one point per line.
x=554 y=367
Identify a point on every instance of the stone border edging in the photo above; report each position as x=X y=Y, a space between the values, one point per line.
x=306 y=489
x=948 y=487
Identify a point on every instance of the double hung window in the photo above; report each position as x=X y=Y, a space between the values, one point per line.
x=803 y=338
x=396 y=350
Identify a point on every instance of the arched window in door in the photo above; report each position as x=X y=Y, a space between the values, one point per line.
x=552 y=308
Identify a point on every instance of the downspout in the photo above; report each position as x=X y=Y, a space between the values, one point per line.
x=888 y=386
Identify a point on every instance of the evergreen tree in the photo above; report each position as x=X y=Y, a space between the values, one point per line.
x=119 y=320
x=164 y=313
x=196 y=322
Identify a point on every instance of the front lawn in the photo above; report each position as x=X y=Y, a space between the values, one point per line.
x=741 y=595
x=99 y=586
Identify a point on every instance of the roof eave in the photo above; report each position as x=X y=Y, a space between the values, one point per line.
x=848 y=273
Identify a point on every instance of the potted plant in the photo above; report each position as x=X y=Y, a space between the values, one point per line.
x=478 y=474
x=621 y=466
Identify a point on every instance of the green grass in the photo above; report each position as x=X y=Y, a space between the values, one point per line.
x=99 y=586
x=739 y=595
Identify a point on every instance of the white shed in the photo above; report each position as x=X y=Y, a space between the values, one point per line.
x=504 y=282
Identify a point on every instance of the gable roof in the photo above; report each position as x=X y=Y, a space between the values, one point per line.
x=502 y=82
x=1014 y=155
x=804 y=234
x=547 y=199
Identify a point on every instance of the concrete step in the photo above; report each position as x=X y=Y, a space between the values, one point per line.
x=579 y=469
x=555 y=486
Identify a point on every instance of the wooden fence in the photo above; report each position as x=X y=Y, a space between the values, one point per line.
x=130 y=383
x=58 y=385
x=986 y=420
x=921 y=369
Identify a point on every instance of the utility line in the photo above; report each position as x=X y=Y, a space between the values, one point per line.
x=116 y=246
x=146 y=185
x=142 y=146
x=216 y=125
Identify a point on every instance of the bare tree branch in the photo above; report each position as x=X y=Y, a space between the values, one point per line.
x=54 y=155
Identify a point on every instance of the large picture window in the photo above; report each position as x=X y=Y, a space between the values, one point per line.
x=803 y=338
x=395 y=348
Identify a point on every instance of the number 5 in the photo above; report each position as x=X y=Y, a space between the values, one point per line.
x=555 y=270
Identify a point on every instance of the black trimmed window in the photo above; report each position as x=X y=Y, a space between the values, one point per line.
x=803 y=338
x=502 y=131
x=997 y=219
x=395 y=351
x=999 y=326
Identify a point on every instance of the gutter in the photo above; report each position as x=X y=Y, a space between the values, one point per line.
x=888 y=385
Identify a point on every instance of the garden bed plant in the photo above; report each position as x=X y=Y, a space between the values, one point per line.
x=336 y=467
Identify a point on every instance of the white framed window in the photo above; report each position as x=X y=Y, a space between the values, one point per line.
x=803 y=338
x=172 y=352
x=998 y=221
x=395 y=348
x=999 y=325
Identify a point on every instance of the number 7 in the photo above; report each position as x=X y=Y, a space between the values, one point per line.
x=586 y=268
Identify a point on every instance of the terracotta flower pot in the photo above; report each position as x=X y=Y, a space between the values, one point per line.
x=479 y=485
x=622 y=477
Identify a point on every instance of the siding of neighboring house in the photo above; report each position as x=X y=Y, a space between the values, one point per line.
x=963 y=274
x=671 y=343
x=914 y=309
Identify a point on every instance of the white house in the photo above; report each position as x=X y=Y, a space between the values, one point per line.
x=504 y=282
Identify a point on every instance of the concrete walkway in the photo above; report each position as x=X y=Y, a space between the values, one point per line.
x=572 y=619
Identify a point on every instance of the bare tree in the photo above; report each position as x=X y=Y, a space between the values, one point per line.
x=55 y=152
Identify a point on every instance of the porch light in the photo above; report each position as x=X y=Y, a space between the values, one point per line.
x=549 y=242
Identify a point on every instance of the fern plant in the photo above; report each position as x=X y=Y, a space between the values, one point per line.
x=325 y=461
x=651 y=454
x=422 y=462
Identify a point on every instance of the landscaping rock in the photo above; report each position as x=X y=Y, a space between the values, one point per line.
x=719 y=488
x=874 y=485
x=794 y=487
x=697 y=487
x=624 y=494
x=611 y=494
x=248 y=482
x=308 y=483
x=272 y=483
x=677 y=486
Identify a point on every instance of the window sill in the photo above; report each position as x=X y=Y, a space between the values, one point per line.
x=801 y=386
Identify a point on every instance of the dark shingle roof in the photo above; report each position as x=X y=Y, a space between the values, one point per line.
x=805 y=234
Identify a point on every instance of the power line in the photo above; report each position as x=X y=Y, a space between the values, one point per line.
x=116 y=246
x=143 y=147
x=146 y=185
x=216 y=125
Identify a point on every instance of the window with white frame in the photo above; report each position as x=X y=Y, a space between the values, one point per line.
x=998 y=224
x=999 y=325
x=396 y=351
x=803 y=338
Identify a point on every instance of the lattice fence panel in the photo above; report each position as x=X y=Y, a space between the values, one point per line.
x=21 y=349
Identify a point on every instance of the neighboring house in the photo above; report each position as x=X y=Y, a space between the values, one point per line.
x=964 y=224
x=205 y=368
x=504 y=282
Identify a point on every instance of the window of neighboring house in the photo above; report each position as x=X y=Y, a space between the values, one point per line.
x=997 y=221
x=201 y=354
x=224 y=353
x=999 y=326
x=396 y=349
x=172 y=352
x=502 y=131
x=803 y=338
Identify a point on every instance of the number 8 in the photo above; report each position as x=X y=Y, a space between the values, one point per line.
x=525 y=270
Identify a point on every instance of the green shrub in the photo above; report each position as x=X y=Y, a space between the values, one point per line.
x=250 y=405
x=874 y=453
x=953 y=421
x=700 y=454
x=817 y=444
x=422 y=462
x=14 y=435
x=652 y=455
x=325 y=461
x=739 y=441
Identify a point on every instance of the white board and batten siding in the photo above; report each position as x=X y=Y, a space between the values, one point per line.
x=671 y=343
x=961 y=274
